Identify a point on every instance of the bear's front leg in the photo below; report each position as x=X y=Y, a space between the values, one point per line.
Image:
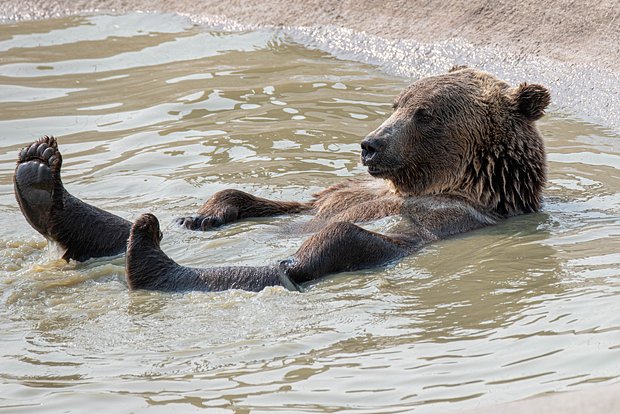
x=342 y=247
x=227 y=206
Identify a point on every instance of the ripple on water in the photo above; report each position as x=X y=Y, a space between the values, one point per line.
x=155 y=114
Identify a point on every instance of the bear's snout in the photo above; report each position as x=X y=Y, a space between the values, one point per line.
x=371 y=146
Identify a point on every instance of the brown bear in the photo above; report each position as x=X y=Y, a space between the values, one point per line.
x=459 y=152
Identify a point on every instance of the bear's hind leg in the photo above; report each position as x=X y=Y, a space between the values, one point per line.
x=342 y=247
x=148 y=267
x=82 y=230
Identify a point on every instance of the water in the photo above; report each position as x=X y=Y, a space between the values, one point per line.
x=155 y=114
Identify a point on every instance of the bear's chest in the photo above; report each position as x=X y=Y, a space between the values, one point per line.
x=357 y=200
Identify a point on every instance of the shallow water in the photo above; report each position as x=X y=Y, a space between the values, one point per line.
x=155 y=114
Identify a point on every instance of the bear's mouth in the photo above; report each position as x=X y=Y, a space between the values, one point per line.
x=376 y=171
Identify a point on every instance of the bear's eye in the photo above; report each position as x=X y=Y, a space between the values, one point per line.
x=395 y=105
x=423 y=115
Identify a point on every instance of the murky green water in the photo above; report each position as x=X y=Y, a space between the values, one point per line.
x=155 y=115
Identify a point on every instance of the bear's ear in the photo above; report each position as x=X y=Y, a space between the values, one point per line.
x=457 y=67
x=530 y=100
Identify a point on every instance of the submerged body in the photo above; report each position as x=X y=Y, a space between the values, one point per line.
x=460 y=152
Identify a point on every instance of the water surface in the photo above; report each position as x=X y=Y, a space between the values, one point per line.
x=156 y=114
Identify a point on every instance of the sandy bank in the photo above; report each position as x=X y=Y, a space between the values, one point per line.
x=569 y=31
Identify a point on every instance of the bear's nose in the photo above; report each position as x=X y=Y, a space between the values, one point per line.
x=370 y=147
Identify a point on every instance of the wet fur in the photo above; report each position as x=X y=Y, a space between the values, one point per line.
x=460 y=152
x=469 y=134
x=148 y=267
x=83 y=231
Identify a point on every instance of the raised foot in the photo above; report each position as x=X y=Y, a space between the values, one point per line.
x=145 y=262
x=36 y=179
x=145 y=232
x=83 y=231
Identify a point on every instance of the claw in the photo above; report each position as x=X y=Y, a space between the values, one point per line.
x=188 y=223
x=200 y=222
x=210 y=222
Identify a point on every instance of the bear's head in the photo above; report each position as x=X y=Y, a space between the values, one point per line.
x=467 y=134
